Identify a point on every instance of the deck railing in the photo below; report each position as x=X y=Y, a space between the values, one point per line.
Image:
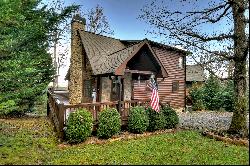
x=59 y=112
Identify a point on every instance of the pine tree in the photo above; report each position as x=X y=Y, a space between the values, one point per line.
x=26 y=67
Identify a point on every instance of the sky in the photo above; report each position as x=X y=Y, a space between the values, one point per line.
x=123 y=15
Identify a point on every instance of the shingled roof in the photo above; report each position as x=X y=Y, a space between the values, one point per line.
x=106 y=54
x=194 y=73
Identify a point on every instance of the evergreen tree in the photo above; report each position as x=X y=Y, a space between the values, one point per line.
x=26 y=67
x=211 y=94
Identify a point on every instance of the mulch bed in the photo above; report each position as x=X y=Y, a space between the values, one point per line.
x=219 y=136
x=122 y=136
x=127 y=136
x=222 y=136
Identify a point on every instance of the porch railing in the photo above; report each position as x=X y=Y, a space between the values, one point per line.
x=59 y=112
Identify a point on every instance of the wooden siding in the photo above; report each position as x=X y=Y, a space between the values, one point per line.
x=140 y=91
x=170 y=60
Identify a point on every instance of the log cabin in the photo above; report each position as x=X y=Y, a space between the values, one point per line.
x=119 y=70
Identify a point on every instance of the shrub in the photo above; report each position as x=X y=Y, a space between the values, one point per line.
x=196 y=95
x=171 y=117
x=8 y=107
x=79 y=126
x=212 y=94
x=109 y=123
x=137 y=120
x=156 y=120
x=227 y=96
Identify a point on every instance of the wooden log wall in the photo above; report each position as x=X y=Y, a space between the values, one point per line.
x=170 y=60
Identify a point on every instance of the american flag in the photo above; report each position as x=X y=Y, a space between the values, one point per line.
x=154 y=100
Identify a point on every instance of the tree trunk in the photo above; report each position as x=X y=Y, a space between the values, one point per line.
x=55 y=82
x=238 y=124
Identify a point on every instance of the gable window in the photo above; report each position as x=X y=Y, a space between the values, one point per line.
x=175 y=86
x=87 y=88
x=180 y=62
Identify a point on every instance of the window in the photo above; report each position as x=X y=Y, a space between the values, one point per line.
x=175 y=86
x=87 y=88
x=181 y=62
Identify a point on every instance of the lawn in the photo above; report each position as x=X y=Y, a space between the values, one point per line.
x=32 y=141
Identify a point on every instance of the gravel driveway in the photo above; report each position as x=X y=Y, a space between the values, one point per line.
x=209 y=120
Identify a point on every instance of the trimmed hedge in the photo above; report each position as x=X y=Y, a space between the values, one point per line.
x=156 y=120
x=79 y=126
x=109 y=123
x=171 y=117
x=138 y=120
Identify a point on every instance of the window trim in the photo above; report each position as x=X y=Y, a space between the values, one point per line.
x=181 y=62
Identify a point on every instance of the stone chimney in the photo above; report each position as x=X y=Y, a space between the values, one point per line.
x=75 y=83
x=78 y=23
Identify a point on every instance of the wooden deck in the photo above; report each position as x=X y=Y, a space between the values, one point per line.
x=58 y=109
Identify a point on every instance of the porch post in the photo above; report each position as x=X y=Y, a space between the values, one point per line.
x=120 y=93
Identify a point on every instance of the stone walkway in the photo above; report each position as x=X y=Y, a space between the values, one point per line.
x=207 y=120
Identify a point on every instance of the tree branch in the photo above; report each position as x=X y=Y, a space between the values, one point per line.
x=206 y=68
x=210 y=10
x=220 y=16
x=224 y=55
x=206 y=39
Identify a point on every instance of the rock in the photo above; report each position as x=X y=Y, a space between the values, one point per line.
x=209 y=120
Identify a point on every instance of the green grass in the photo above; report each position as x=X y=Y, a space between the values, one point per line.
x=32 y=141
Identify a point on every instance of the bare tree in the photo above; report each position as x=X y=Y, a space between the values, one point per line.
x=97 y=22
x=216 y=35
x=60 y=37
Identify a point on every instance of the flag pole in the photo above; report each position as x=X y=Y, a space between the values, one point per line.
x=154 y=99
